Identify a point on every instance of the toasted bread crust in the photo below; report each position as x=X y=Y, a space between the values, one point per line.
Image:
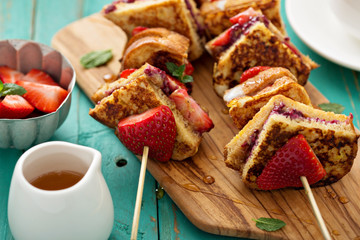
x=260 y=47
x=155 y=46
x=244 y=108
x=216 y=14
x=138 y=94
x=169 y=14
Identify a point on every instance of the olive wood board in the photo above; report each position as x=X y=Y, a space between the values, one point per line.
x=225 y=207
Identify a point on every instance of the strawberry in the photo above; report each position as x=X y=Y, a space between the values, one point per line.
x=240 y=19
x=171 y=84
x=154 y=128
x=15 y=107
x=45 y=98
x=125 y=73
x=189 y=69
x=39 y=76
x=293 y=160
x=252 y=72
x=197 y=117
x=9 y=75
x=243 y=17
x=138 y=29
x=223 y=38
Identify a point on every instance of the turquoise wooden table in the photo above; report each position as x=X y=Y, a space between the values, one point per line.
x=39 y=20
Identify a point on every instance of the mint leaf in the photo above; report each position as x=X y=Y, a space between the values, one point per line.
x=159 y=192
x=96 y=58
x=269 y=224
x=187 y=79
x=11 y=89
x=1 y=85
x=332 y=107
x=178 y=72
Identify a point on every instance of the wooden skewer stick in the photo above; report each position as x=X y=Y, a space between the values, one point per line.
x=139 y=194
x=315 y=208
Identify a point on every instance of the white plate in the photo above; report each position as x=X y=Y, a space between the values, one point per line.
x=316 y=25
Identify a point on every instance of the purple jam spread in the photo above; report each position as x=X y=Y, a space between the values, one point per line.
x=296 y=114
x=200 y=29
x=253 y=140
x=110 y=8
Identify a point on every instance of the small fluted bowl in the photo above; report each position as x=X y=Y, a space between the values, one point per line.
x=24 y=55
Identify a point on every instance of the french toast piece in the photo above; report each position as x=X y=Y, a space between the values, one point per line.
x=244 y=107
x=331 y=136
x=262 y=45
x=155 y=46
x=216 y=14
x=180 y=16
x=136 y=94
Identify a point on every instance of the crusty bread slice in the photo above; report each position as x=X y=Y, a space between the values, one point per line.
x=260 y=46
x=155 y=46
x=244 y=108
x=170 y=14
x=216 y=14
x=331 y=136
x=137 y=94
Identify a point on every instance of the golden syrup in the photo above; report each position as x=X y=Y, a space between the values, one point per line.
x=57 y=180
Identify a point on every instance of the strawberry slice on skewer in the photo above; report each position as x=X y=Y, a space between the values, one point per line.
x=293 y=160
x=154 y=128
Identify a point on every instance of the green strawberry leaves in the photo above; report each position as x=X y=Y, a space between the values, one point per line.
x=269 y=224
x=178 y=72
x=11 y=89
x=96 y=58
x=332 y=107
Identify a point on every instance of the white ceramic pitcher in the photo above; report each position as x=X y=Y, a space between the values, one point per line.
x=82 y=211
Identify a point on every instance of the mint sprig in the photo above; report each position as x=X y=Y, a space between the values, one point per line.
x=178 y=72
x=332 y=107
x=96 y=58
x=11 y=89
x=269 y=224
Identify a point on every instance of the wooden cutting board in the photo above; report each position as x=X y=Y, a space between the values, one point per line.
x=225 y=207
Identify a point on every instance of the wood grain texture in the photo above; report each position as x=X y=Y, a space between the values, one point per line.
x=227 y=206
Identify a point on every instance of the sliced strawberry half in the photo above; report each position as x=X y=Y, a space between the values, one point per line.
x=293 y=160
x=171 y=84
x=38 y=76
x=138 y=29
x=15 y=107
x=125 y=73
x=154 y=128
x=252 y=72
x=46 y=98
x=196 y=116
x=189 y=69
x=223 y=38
x=243 y=17
x=9 y=75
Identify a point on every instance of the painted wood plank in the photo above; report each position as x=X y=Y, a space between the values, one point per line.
x=13 y=26
x=227 y=206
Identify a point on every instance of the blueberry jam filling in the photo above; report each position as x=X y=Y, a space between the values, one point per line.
x=168 y=86
x=296 y=114
x=200 y=29
x=110 y=8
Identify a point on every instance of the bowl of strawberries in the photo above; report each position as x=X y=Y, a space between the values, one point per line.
x=36 y=82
